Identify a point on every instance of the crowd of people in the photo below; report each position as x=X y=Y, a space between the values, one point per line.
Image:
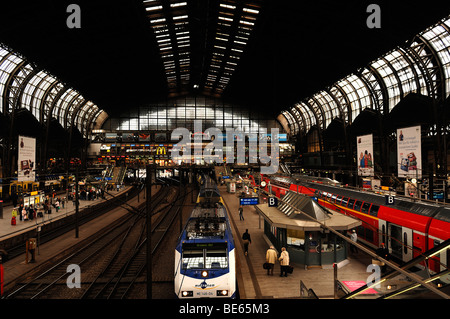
x=51 y=203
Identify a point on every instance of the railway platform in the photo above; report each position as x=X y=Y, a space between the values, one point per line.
x=253 y=281
x=17 y=267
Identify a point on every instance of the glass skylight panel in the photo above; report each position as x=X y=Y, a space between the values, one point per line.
x=305 y=110
x=390 y=80
x=34 y=90
x=20 y=76
x=439 y=39
x=328 y=105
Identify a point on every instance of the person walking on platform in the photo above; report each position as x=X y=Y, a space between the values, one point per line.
x=271 y=258
x=241 y=211
x=247 y=240
x=284 y=262
x=354 y=238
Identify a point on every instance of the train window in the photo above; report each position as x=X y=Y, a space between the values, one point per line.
x=374 y=210
x=358 y=205
x=344 y=201
x=333 y=198
x=338 y=199
x=324 y=194
x=216 y=257
x=351 y=202
x=329 y=195
x=195 y=256
x=369 y=234
x=365 y=207
x=192 y=258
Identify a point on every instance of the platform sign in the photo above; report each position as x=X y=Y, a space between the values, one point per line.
x=273 y=202
x=390 y=199
x=249 y=201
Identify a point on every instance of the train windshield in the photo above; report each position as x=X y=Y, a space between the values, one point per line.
x=205 y=256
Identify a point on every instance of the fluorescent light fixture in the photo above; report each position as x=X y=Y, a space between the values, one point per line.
x=158 y=20
x=154 y=8
x=246 y=22
x=178 y=4
x=225 y=18
x=180 y=17
x=250 y=10
x=228 y=6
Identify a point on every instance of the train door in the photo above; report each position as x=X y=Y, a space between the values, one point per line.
x=400 y=242
x=395 y=240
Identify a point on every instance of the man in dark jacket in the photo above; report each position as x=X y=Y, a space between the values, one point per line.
x=247 y=240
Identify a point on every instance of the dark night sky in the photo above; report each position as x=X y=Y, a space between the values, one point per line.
x=297 y=49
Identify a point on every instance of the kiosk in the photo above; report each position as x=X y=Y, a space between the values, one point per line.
x=307 y=242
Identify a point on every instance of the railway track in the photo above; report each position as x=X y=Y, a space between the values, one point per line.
x=111 y=265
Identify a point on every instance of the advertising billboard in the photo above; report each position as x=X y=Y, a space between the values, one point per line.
x=26 y=159
x=409 y=152
x=365 y=160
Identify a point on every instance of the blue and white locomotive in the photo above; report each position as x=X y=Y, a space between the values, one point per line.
x=205 y=265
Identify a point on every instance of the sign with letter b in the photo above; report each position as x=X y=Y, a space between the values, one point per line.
x=273 y=202
x=390 y=199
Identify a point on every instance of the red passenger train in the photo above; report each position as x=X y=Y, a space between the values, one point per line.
x=407 y=228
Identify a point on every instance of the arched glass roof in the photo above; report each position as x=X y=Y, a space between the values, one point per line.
x=420 y=66
x=24 y=85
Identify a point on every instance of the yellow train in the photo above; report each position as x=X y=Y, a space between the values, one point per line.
x=19 y=187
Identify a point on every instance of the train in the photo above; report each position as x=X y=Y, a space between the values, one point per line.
x=48 y=184
x=407 y=228
x=205 y=261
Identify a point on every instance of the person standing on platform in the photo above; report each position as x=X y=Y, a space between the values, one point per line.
x=13 y=216
x=271 y=258
x=284 y=262
x=247 y=240
x=383 y=252
x=241 y=211
x=354 y=238
x=20 y=212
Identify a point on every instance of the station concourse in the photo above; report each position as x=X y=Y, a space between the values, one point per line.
x=328 y=122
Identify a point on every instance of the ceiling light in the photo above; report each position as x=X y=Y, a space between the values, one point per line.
x=179 y=4
x=153 y=8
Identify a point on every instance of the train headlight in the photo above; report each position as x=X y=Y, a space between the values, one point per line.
x=187 y=293
x=222 y=293
x=205 y=273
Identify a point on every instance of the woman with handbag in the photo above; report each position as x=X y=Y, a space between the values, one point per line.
x=284 y=262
